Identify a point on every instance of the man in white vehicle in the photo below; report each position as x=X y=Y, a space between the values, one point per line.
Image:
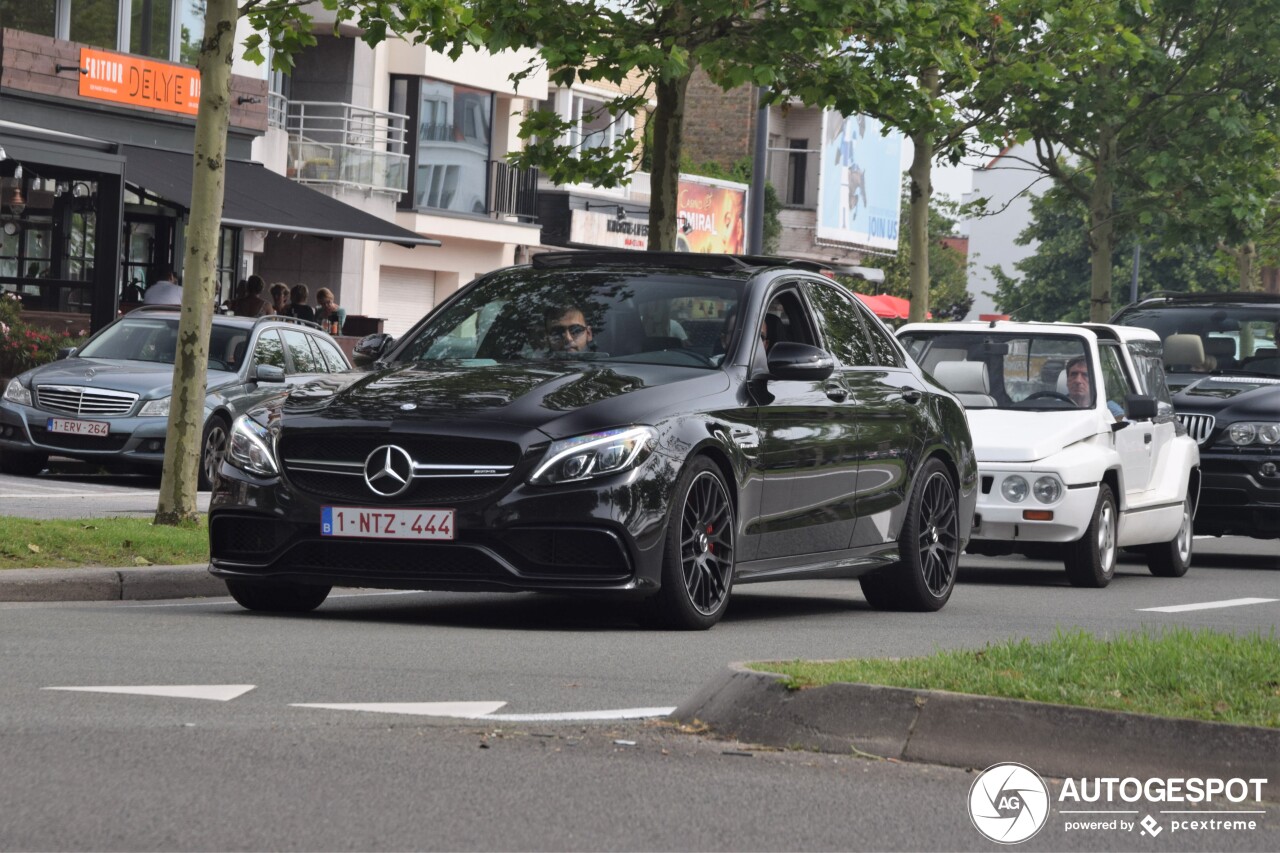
x=1076 y=441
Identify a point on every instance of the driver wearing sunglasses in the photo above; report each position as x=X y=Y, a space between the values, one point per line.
x=567 y=330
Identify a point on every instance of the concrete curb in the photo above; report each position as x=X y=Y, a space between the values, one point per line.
x=127 y=584
x=959 y=730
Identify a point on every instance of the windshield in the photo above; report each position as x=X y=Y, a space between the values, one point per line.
x=1237 y=338
x=532 y=315
x=155 y=339
x=1008 y=371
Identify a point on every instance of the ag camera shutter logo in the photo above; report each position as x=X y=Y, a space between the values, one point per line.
x=1009 y=803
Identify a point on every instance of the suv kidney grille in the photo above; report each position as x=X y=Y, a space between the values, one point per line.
x=1199 y=427
x=84 y=401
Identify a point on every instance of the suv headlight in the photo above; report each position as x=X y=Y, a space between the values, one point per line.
x=250 y=448
x=1244 y=433
x=595 y=455
x=1047 y=489
x=14 y=392
x=155 y=408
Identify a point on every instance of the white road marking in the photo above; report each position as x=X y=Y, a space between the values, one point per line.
x=220 y=601
x=1206 y=605
x=484 y=711
x=217 y=692
x=574 y=716
x=463 y=710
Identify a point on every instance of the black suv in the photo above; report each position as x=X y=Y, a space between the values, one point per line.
x=1221 y=360
x=654 y=425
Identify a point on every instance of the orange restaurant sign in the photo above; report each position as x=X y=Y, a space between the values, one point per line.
x=139 y=82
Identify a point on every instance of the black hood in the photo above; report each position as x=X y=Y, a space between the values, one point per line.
x=559 y=399
x=1239 y=397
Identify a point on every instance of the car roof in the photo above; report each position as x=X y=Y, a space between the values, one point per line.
x=1004 y=327
x=743 y=265
x=233 y=320
x=1169 y=298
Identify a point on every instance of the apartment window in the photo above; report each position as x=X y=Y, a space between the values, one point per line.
x=163 y=29
x=797 y=170
x=452 y=150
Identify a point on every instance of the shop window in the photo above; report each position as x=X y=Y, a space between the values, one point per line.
x=190 y=30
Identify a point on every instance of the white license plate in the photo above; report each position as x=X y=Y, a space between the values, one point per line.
x=386 y=523
x=71 y=427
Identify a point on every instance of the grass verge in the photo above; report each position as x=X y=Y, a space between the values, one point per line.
x=1199 y=675
x=29 y=543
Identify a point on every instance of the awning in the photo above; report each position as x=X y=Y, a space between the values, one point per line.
x=888 y=307
x=256 y=197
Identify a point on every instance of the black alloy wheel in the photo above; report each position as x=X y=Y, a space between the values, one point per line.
x=697 y=566
x=217 y=434
x=929 y=548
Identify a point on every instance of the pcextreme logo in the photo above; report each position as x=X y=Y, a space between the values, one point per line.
x=1009 y=803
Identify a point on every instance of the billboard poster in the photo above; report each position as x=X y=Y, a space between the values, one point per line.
x=712 y=216
x=859 y=182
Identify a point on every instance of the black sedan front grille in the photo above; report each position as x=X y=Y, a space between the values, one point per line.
x=423 y=492
x=425 y=449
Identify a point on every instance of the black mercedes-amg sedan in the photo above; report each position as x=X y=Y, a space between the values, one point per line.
x=656 y=425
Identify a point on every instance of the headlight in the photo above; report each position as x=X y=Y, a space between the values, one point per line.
x=155 y=408
x=1245 y=433
x=596 y=455
x=1014 y=489
x=250 y=448
x=15 y=393
x=1047 y=489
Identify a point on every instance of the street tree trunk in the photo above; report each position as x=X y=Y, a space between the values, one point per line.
x=921 y=174
x=1245 y=256
x=182 y=445
x=1102 y=229
x=668 y=130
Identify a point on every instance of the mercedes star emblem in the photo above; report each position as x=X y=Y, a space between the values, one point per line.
x=388 y=470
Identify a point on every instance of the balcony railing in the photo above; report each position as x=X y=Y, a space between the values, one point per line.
x=513 y=192
x=342 y=144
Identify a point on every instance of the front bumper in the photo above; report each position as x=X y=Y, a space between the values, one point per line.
x=1239 y=494
x=998 y=519
x=133 y=440
x=601 y=536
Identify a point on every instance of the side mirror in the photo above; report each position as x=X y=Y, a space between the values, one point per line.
x=268 y=373
x=370 y=348
x=66 y=352
x=800 y=362
x=1140 y=407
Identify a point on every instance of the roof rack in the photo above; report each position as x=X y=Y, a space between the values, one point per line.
x=1230 y=295
x=285 y=318
x=683 y=260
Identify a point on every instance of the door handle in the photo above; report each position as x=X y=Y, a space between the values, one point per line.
x=911 y=395
x=837 y=393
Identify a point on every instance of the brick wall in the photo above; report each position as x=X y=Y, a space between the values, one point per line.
x=719 y=126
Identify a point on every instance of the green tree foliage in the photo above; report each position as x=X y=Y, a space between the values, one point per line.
x=659 y=44
x=948 y=268
x=1153 y=111
x=1051 y=283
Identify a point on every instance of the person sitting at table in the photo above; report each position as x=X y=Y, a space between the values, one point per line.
x=298 y=306
x=280 y=298
x=331 y=315
x=251 y=304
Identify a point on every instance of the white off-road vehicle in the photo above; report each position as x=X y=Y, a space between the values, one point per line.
x=1076 y=439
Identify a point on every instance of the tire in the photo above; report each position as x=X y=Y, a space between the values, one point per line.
x=277 y=596
x=1091 y=559
x=1172 y=559
x=698 y=561
x=22 y=464
x=929 y=548
x=213 y=446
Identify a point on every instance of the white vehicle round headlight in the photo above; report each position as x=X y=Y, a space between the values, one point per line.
x=1047 y=489
x=1014 y=489
x=1242 y=433
x=1268 y=433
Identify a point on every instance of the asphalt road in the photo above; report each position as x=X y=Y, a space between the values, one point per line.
x=259 y=769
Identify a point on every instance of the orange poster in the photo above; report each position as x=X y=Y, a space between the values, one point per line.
x=139 y=82
x=711 y=218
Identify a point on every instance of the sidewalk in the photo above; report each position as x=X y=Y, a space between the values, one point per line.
x=147 y=582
